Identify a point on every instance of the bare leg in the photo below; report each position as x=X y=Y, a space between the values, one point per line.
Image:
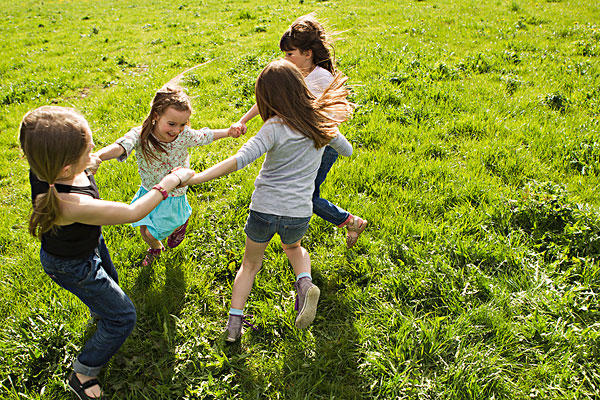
x=244 y=279
x=149 y=239
x=298 y=256
x=156 y=246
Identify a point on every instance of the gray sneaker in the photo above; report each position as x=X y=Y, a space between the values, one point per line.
x=307 y=297
x=234 y=327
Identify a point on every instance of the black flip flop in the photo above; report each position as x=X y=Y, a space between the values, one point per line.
x=79 y=388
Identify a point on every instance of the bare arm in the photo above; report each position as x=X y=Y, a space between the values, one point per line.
x=240 y=126
x=106 y=153
x=111 y=151
x=223 y=133
x=250 y=114
x=86 y=210
x=216 y=171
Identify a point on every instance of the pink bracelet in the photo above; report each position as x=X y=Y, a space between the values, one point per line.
x=161 y=190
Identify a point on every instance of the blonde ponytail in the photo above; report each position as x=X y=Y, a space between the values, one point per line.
x=52 y=138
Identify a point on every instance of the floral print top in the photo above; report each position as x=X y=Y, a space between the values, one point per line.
x=153 y=170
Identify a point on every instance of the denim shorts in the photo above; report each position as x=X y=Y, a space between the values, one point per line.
x=261 y=227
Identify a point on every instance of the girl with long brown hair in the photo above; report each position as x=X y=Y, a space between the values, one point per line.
x=307 y=45
x=296 y=130
x=68 y=216
x=161 y=143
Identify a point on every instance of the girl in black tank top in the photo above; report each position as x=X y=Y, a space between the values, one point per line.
x=76 y=240
x=67 y=216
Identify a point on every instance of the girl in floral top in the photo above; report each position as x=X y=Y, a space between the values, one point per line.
x=162 y=144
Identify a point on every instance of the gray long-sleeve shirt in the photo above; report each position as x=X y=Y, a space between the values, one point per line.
x=286 y=181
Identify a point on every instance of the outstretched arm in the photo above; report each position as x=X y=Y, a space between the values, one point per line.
x=106 y=153
x=229 y=132
x=216 y=171
x=241 y=124
x=86 y=210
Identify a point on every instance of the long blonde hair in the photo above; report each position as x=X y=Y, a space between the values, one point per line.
x=51 y=137
x=281 y=91
x=168 y=96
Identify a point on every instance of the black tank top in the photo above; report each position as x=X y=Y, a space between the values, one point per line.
x=74 y=240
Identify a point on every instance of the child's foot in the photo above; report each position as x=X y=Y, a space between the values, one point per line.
x=234 y=327
x=307 y=297
x=84 y=389
x=177 y=236
x=151 y=255
x=355 y=227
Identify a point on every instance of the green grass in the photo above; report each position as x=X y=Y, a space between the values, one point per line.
x=477 y=154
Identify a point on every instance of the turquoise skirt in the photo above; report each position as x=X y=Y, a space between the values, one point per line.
x=169 y=215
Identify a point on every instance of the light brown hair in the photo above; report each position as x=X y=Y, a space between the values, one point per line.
x=169 y=96
x=306 y=33
x=281 y=91
x=51 y=137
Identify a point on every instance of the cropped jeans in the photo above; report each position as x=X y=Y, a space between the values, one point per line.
x=94 y=281
x=322 y=207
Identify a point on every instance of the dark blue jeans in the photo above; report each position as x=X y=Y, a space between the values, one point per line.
x=324 y=208
x=94 y=281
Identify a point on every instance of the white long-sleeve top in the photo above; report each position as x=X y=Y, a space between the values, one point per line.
x=286 y=181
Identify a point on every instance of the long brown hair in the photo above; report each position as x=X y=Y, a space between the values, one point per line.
x=281 y=91
x=306 y=33
x=51 y=137
x=169 y=96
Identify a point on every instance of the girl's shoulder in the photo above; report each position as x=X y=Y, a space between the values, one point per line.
x=136 y=131
x=271 y=126
x=318 y=80
x=188 y=131
x=319 y=73
x=272 y=123
x=130 y=139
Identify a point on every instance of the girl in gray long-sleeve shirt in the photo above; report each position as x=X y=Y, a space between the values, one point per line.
x=297 y=128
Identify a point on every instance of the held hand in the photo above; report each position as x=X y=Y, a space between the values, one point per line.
x=233 y=132
x=184 y=175
x=240 y=128
x=94 y=163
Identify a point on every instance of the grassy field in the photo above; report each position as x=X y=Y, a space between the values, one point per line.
x=477 y=163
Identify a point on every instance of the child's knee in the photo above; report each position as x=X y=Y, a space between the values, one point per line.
x=129 y=319
x=291 y=247
x=252 y=266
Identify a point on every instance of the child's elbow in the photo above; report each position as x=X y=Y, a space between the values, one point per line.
x=345 y=152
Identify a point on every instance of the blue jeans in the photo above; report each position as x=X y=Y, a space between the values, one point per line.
x=94 y=281
x=261 y=227
x=324 y=208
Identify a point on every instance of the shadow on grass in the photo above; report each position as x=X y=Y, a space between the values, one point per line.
x=322 y=362
x=144 y=365
x=328 y=367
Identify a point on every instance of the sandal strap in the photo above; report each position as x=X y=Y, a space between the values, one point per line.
x=90 y=383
